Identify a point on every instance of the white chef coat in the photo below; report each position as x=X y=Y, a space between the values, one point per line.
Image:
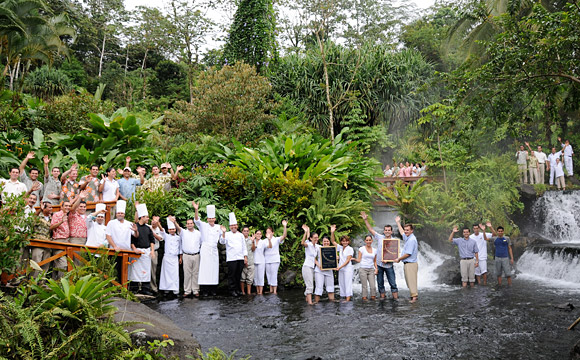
x=235 y=246
x=208 y=255
x=120 y=232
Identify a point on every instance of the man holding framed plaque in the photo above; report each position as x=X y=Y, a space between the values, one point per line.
x=388 y=248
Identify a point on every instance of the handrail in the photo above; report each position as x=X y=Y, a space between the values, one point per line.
x=91 y=206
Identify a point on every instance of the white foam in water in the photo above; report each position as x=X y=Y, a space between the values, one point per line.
x=558 y=216
x=557 y=269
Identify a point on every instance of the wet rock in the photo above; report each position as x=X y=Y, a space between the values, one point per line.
x=288 y=277
x=448 y=272
x=565 y=306
x=575 y=351
x=158 y=325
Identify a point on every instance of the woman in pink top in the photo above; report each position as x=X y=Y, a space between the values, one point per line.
x=401 y=170
x=408 y=169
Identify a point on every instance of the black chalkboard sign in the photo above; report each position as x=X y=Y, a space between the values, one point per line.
x=328 y=258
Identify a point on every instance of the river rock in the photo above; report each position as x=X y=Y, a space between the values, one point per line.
x=288 y=278
x=448 y=272
x=159 y=325
x=565 y=306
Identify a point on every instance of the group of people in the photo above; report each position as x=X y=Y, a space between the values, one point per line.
x=537 y=163
x=406 y=170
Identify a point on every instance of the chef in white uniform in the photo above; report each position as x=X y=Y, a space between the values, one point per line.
x=272 y=256
x=96 y=229
x=169 y=280
x=209 y=261
x=236 y=254
x=119 y=233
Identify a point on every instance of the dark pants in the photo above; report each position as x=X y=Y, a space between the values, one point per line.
x=140 y=287
x=390 y=272
x=235 y=269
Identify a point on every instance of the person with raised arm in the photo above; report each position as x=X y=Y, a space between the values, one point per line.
x=468 y=252
x=109 y=187
x=323 y=279
x=272 y=256
x=52 y=184
x=128 y=185
x=384 y=268
x=345 y=268
x=70 y=185
x=32 y=180
x=90 y=183
x=190 y=246
x=481 y=241
x=61 y=233
x=310 y=244
x=209 y=260
x=504 y=256
x=258 y=248
x=236 y=254
x=568 y=153
x=409 y=257
x=367 y=258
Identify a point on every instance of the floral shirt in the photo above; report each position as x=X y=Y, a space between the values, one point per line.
x=63 y=231
x=92 y=187
x=42 y=228
x=70 y=189
x=160 y=182
x=77 y=225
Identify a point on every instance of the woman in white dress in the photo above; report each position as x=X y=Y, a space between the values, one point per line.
x=345 y=268
x=310 y=250
x=258 y=247
x=272 y=256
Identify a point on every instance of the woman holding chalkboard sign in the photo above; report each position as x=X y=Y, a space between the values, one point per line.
x=345 y=268
x=324 y=278
x=310 y=250
x=368 y=268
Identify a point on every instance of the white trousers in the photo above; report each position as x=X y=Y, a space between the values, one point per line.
x=568 y=164
x=308 y=276
x=272 y=273
x=259 y=271
x=345 y=281
x=324 y=279
x=552 y=175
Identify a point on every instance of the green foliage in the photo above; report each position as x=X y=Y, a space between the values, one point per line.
x=74 y=70
x=252 y=36
x=195 y=153
x=47 y=83
x=368 y=137
x=15 y=230
x=232 y=102
x=159 y=202
x=218 y=354
x=407 y=199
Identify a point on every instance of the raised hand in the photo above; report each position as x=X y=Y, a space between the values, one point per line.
x=398 y=219
x=180 y=167
x=128 y=159
x=223 y=228
x=304 y=227
x=30 y=155
x=75 y=166
x=45 y=159
x=332 y=228
x=284 y=223
x=195 y=205
x=559 y=139
x=134 y=227
x=455 y=229
x=36 y=186
x=482 y=227
x=488 y=224
x=363 y=215
x=84 y=194
x=103 y=176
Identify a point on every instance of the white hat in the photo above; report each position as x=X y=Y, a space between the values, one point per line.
x=142 y=210
x=121 y=206
x=100 y=206
x=233 y=220
x=170 y=224
x=126 y=168
x=210 y=209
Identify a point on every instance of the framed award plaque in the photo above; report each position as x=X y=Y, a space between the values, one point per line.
x=389 y=250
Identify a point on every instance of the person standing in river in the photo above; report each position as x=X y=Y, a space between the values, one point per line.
x=409 y=257
x=504 y=256
x=468 y=252
x=384 y=268
x=481 y=241
x=310 y=243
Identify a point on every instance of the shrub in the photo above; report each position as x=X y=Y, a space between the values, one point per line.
x=46 y=82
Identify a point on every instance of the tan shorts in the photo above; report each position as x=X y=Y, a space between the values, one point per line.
x=248 y=275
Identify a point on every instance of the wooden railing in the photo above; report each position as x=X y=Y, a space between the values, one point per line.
x=91 y=206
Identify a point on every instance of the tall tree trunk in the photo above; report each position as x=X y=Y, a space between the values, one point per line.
x=102 y=54
x=327 y=87
x=441 y=159
x=125 y=77
x=144 y=60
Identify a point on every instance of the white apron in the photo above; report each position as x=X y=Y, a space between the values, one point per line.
x=169 y=273
x=140 y=270
x=209 y=262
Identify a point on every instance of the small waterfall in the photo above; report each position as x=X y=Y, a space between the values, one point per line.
x=557 y=266
x=557 y=215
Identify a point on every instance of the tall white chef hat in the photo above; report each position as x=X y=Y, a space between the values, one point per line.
x=121 y=206
x=142 y=210
x=100 y=206
x=170 y=224
x=233 y=220
x=210 y=211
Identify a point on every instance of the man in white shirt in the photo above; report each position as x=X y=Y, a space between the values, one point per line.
x=552 y=164
x=190 y=246
x=236 y=254
x=568 y=152
x=33 y=179
x=481 y=241
x=542 y=162
x=119 y=233
x=12 y=187
x=559 y=171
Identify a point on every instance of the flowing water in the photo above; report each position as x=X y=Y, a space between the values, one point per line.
x=525 y=321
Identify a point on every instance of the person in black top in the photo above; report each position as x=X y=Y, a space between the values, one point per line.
x=140 y=270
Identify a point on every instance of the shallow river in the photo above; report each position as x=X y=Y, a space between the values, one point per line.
x=521 y=322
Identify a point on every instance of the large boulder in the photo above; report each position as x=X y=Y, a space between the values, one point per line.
x=159 y=325
x=448 y=272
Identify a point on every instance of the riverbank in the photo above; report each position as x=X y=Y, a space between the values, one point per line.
x=523 y=321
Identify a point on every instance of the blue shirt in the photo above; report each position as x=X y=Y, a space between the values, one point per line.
x=467 y=248
x=411 y=248
x=501 y=246
x=127 y=187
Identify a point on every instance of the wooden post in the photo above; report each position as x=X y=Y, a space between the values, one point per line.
x=124 y=271
x=69 y=255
